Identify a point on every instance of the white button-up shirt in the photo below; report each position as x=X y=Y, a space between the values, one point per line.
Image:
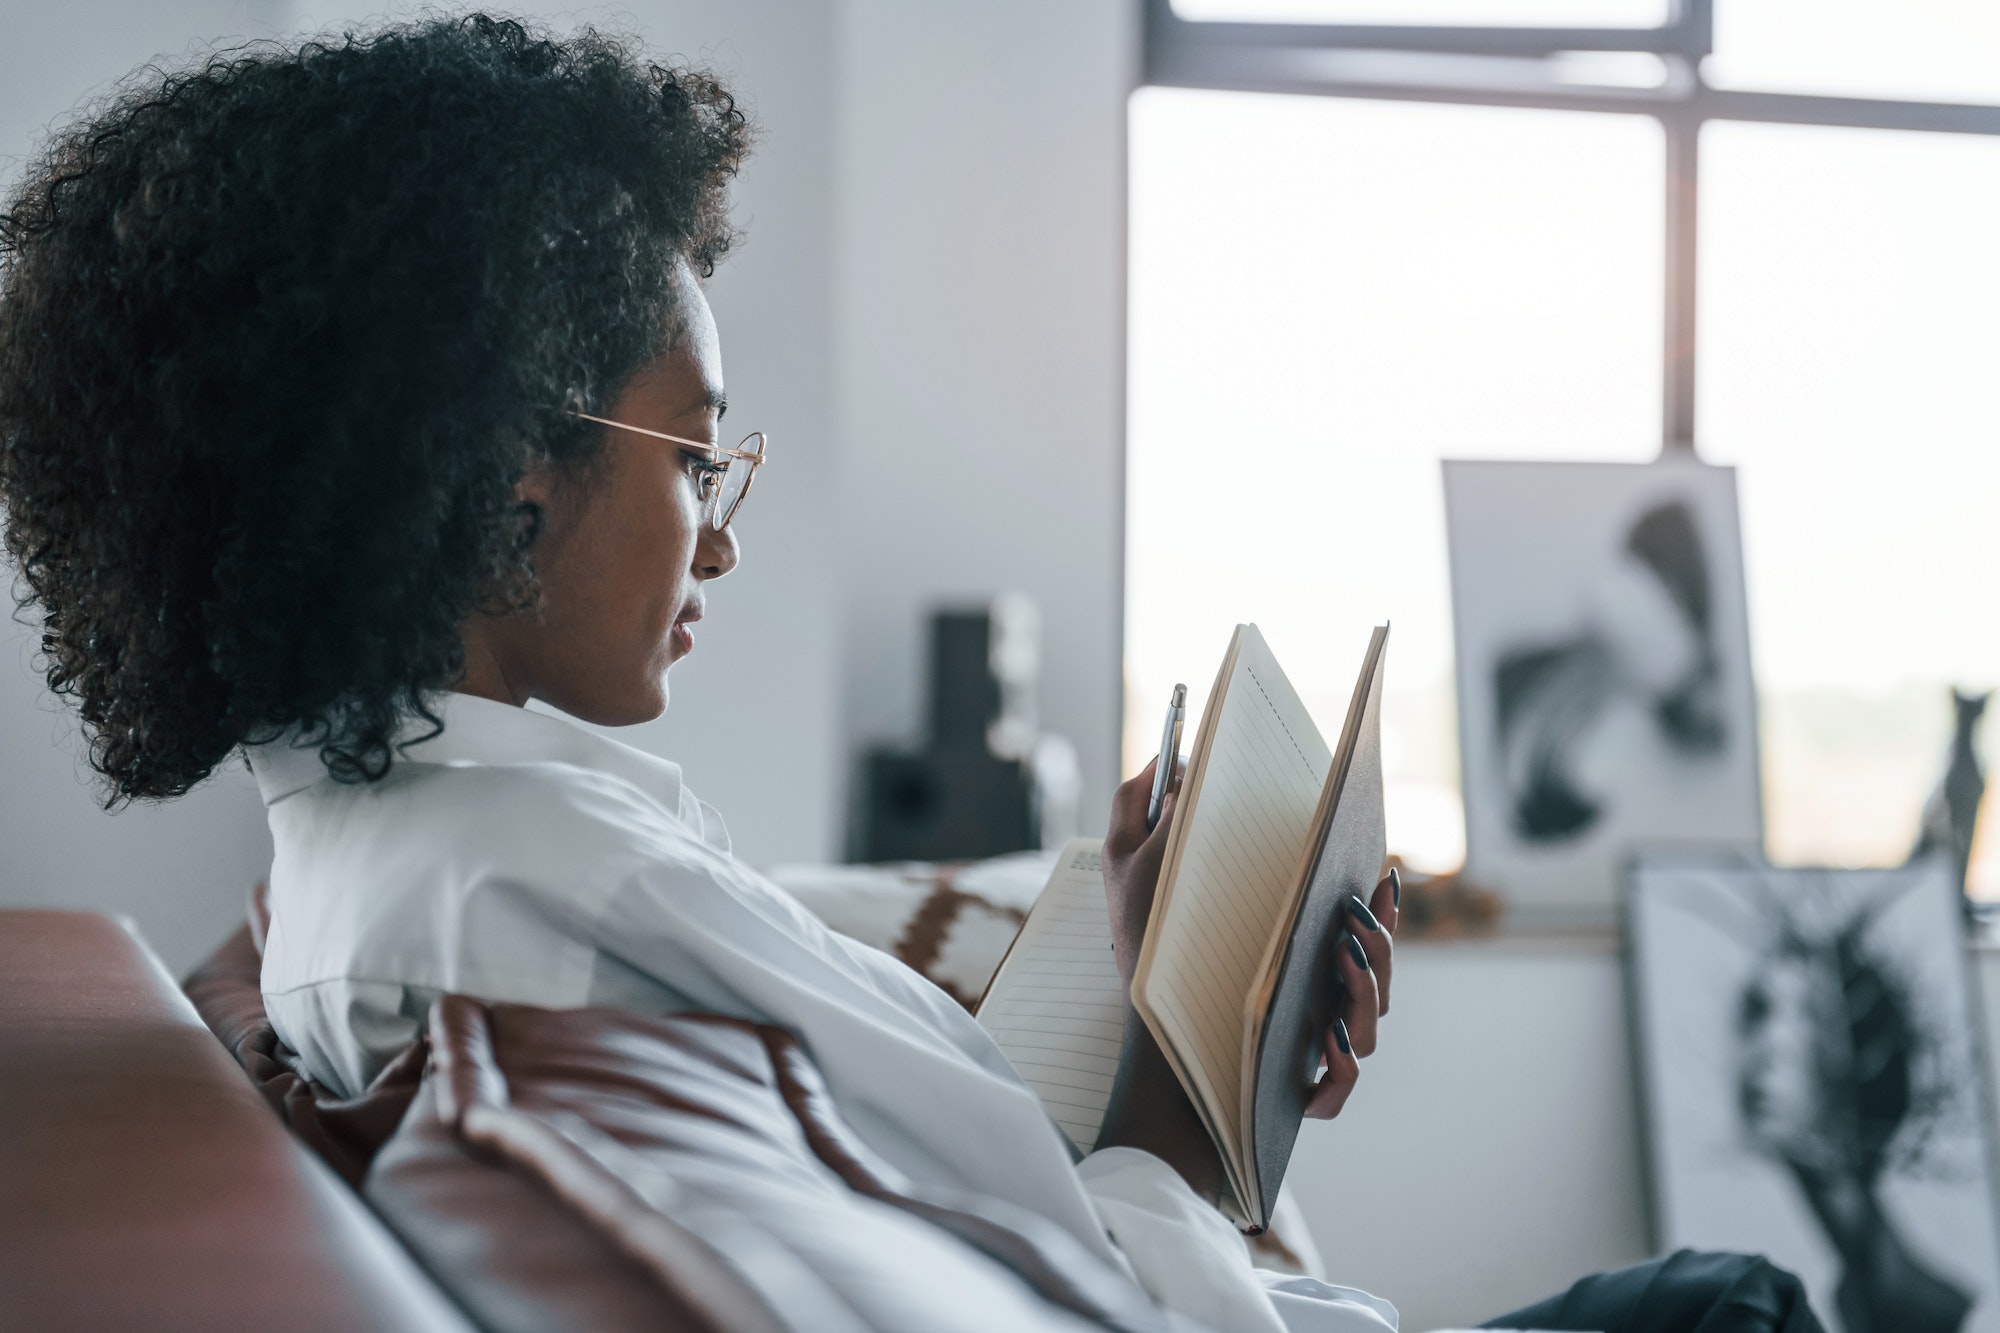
x=519 y=858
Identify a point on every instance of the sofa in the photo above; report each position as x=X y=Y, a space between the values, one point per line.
x=144 y=1183
x=165 y=1163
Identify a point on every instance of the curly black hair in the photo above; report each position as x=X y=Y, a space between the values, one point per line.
x=280 y=331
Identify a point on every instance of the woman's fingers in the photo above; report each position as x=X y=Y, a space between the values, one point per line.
x=1387 y=900
x=1364 y=958
x=1343 y=1070
x=1132 y=856
x=1167 y=804
x=1361 y=1005
x=1128 y=813
x=1376 y=944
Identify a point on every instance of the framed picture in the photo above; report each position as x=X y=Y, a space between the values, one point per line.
x=1812 y=1086
x=1604 y=689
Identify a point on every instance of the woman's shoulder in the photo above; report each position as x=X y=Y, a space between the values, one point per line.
x=524 y=824
x=539 y=791
x=432 y=865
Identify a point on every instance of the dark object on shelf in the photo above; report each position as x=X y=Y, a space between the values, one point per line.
x=1444 y=907
x=971 y=791
x=944 y=805
x=1952 y=811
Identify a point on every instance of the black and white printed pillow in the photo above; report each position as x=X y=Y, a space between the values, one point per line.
x=951 y=922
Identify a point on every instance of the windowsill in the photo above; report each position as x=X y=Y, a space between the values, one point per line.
x=1523 y=937
x=1582 y=936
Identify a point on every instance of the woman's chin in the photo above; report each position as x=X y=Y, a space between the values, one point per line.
x=653 y=703
x=639 y=702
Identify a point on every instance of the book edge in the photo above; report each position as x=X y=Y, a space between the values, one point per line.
x=1257 y=1005
x=1191 y=784
x=1000 y=968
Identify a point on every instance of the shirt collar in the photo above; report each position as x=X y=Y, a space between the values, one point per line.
x=480 y=732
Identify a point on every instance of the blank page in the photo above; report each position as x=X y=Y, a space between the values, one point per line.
x=1248 y=821
x=1057 y=1005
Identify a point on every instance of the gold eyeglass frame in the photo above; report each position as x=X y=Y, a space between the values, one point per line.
x=714 y=453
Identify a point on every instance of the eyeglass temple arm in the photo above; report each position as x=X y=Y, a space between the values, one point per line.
x=756 y=457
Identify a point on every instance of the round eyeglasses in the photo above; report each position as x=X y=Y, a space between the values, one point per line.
x=726 y=473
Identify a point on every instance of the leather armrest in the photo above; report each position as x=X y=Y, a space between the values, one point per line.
x=143 y=1184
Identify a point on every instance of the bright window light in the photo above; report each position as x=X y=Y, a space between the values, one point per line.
x=1327 y=297
x=1848 y=353
x=1922 y=50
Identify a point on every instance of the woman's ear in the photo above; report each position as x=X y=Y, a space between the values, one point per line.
x=532 y=518
x=532 y=496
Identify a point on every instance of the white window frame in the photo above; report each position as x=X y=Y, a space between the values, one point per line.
x=1517 y=67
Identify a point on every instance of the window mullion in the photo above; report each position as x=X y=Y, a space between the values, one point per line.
x=1683 y=143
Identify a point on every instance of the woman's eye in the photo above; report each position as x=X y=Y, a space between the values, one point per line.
x=707 y=476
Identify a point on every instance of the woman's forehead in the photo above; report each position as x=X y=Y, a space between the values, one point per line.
x=686 y=379
x=698 y=334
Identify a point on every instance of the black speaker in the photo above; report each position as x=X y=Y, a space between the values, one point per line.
x=944 y=805
x=970 y=791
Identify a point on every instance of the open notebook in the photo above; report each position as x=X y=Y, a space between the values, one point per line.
x=1236 y=979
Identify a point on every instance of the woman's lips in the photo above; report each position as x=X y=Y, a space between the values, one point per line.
x=684 y=633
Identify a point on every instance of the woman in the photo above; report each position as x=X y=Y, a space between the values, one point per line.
x=354 y=395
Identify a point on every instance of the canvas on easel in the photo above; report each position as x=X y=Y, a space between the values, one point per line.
x=1813 y=1087
x=1604 y=685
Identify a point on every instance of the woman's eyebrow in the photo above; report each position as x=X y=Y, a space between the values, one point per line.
x=707 y=400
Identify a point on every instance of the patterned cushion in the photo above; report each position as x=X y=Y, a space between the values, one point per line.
x=951 y=922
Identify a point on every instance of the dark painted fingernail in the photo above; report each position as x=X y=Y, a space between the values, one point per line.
x=1340 y=1036
x=1361 y=912
x=1360 y=954
x=1395 y=886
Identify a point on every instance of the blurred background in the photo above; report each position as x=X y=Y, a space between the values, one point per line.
x=927 y=319
x=1160 y=317
x=1401 y=274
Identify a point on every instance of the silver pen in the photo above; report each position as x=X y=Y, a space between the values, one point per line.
x=1170 y=755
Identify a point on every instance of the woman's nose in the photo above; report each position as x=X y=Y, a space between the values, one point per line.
x=716 y=553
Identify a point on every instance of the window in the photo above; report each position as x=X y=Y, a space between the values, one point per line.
x=1849 y=348
x=1356 y=251
x=1512 y=13
x=1306 y=344
x=1934 y=50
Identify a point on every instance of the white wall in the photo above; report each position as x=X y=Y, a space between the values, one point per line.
x=978 y=344
x=926 y=318
x=181 y=870
x=1491 y=1154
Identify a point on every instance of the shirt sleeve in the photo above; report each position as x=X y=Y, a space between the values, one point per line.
x=1191 y=1260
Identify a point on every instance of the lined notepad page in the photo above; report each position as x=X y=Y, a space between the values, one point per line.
x=1249 y=822
x=1057 y=1005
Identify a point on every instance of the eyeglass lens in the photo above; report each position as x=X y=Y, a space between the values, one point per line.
x=736 y=481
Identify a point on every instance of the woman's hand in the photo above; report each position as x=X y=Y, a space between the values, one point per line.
x=1365 y=958
x=1132 y=856
x=1149 y=1109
